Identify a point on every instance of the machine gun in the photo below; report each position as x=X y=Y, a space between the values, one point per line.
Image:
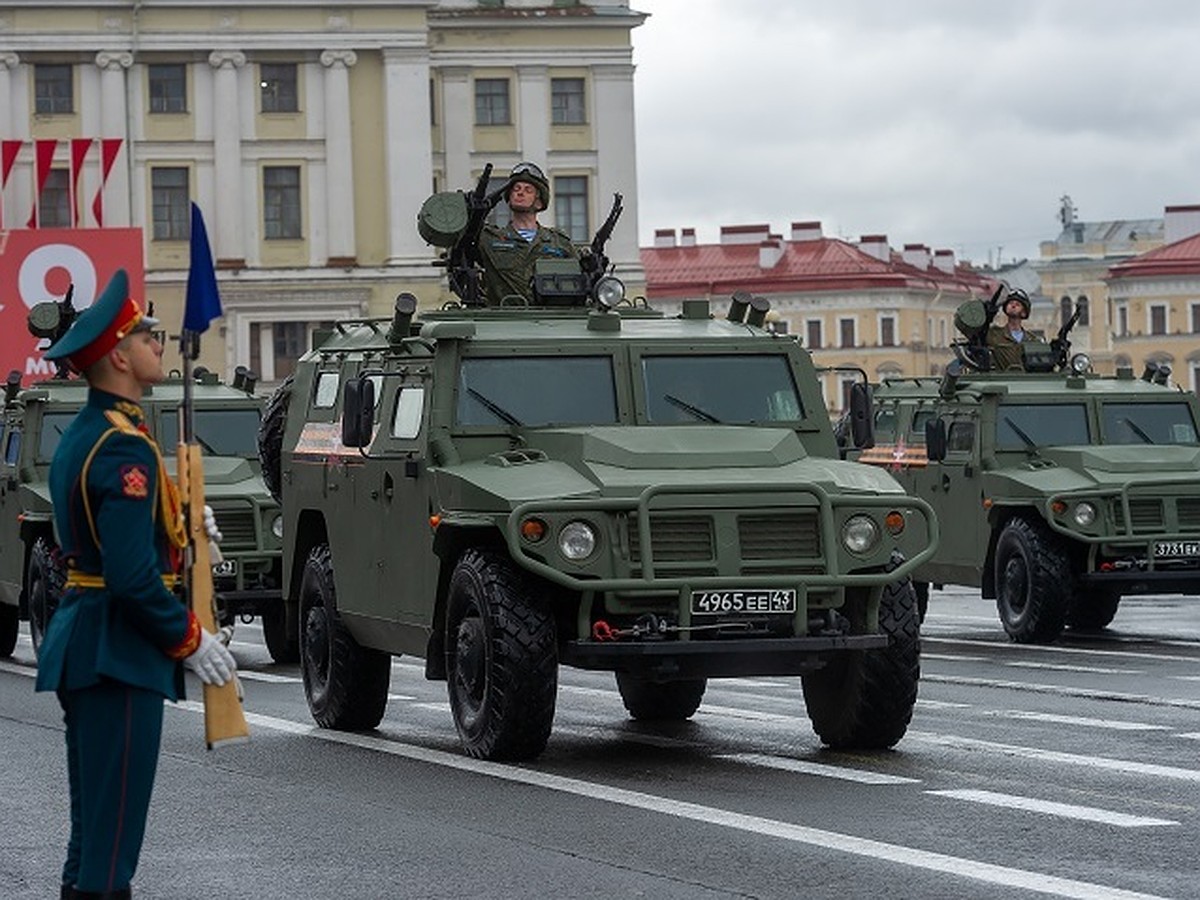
x=595 y=261
x=1060 y=346
x=51 y=319
x=455 y=221
x=972 y=320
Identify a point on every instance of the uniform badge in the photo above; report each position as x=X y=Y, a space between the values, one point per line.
x=135 y=482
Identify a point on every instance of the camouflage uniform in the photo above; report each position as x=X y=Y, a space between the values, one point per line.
x=1006 y=353
x=509 y=259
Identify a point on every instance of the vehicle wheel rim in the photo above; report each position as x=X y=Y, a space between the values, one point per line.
x=1016 y=584
x=470 y=674
x=316 y=645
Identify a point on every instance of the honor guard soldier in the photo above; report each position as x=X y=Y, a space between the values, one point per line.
x=509 y=254
x=112 y=650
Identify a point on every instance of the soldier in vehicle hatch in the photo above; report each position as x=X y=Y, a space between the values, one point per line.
x=508 y=254
x=1005 y=340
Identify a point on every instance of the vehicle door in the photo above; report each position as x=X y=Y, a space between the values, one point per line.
x=954 y=488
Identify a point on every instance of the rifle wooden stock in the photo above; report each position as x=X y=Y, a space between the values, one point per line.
x=224 y=720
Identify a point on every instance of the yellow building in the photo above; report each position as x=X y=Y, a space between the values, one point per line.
x=309 y=134
x=889 y=313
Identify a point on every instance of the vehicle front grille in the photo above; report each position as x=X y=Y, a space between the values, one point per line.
x=674 y=539
x=783 y=536
x=236 y=527
x=1188 y=511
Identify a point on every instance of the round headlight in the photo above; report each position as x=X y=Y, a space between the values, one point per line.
x=277 y=526
x=577 y=540
x=609 y=291
x=1081 y=363
x=1085 y=514
x=860 y=534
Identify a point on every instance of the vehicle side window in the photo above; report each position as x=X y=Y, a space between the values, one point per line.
x=325 y=395
x=916 y=431
x=12 y=450
x=377 y=381
x=406 y=418
x=961 y=436
x=885 y=423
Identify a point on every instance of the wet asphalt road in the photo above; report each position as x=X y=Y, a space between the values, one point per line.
x=1064 y=771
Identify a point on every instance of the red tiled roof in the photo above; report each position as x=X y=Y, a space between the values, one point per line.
x=1179 y=258
x=827 y=264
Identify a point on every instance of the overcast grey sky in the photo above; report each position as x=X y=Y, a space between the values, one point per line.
x=954 y=123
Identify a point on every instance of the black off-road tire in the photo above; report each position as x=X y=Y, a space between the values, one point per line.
x=501 y=659
x=43 y=587
x=1092 y=611
x=346 y=685
x=921 y=588
x=1034 y=583
x=284 y=646
x=660 y=701
x=10 y=623
x=864 y=699
x=270 y=438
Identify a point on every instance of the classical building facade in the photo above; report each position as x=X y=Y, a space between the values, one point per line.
x=309 y=134
x=863 y=304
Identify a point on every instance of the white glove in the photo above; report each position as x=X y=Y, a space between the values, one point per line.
x=214 y=535
x=212 y=661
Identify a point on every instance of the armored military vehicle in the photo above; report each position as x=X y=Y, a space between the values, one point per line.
x=503 y=490
x=247 y=582
x=1066 y=489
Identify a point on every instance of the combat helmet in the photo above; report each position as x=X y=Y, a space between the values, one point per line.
x=1021 y=297
x=530 y=173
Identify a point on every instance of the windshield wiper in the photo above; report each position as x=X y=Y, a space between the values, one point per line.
x=1021 y=434
x=494 y=408
x=694 y=410
x=1136 y=429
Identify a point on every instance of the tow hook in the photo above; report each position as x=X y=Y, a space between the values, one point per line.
x=652 y=626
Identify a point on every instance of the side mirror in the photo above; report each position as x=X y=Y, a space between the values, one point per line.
x=358 y=412
x=935 y=440
x=862 y=416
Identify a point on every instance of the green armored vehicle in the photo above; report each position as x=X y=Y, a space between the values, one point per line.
x=247 y=582
x=503 y=490
x=1064 y=490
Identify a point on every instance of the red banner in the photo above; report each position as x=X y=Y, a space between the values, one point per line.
x=79 y=150
x=38 y=265
x=109 y=148
x=45 y=158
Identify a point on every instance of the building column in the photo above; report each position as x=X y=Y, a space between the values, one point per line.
x=113 y=65
x=409 y=165
x=458 y=126
x=8 y=61
x=226 y=230
x=533 y=113
x=339 y=160
x=615 y=168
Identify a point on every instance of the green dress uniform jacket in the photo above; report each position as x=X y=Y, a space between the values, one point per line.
x=133 y=629
x=1006 y=353
x=509 y=259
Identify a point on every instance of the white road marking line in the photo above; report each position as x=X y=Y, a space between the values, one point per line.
x=941 y=704
x=1063 y=667
x=1050 y=808
x=1194 y=735
x=804 y=767
x=1009 y=647
x=1123 y=766
x=974 y=870
x=436 y=707
x=1107 y=724
x=268 y=677
x=951 y=657
x=401 y=697
x=1184 y=677
x=756 y=683
x=1061 y=690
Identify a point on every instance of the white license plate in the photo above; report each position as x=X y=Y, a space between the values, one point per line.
x=747 y=602
x=225 y=567
x=1176 y=548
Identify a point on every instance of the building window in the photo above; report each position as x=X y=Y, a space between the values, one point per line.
x=281 y=202
x=887 y=331
x=491 y=102
x=169 y=200
x=53 y=89
x=846 y=333
x=845 y=383
x=1122 y=320
x=1196 y=318
x=54 y=206
x=566 y=101
x=284 y=343
x=812 y=334
x=1158 y=318
x=432 y=102
x=571 y=206
x=168 y=88
x=1084 y=312
x=1195 y=376
x=277 y=84
x=779 y=326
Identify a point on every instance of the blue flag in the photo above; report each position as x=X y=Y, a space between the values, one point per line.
x=203 y=303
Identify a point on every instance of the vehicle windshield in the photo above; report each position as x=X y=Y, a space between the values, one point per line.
x=53 y=426
x=1147 y=423
x=1032 y=425
x=536 y=391
x=730 y=389
x=219 y=432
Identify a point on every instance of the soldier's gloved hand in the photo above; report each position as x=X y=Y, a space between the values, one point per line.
x=214 y=535
x=212 y=661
